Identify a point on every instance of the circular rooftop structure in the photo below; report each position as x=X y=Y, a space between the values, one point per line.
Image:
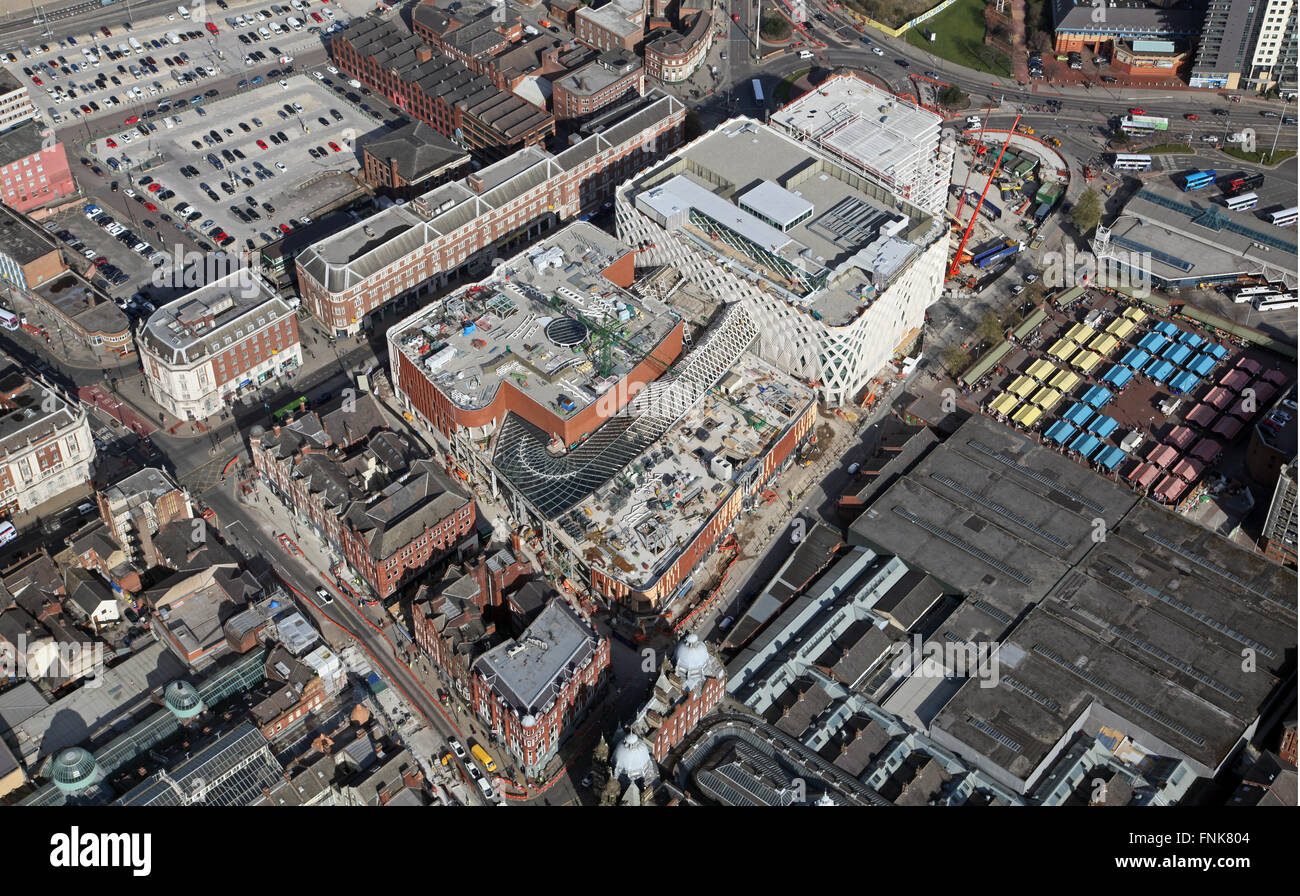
x=632 y=759
x=183 y=699
x=566 y=332
x=692 y=655
x=74 y=769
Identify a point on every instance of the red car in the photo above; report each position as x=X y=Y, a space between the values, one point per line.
x=285 y=228
x=1190 y=117
x=132 y=120
x=262 y=144
x=110 y=142
x=212 y=29
x=151 y=206
x=154 y=188
x=37 y=81
x=735 y=17
x=334 y=146
x=317 y=17
x=1137 y=111
x=107 y=33
x=100 y=261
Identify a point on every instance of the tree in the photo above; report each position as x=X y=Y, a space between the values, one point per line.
x=1121 y=139
x=952 y=96
x=1087 y=210
x=775 y=28
x=989 y=329
x=955 y=360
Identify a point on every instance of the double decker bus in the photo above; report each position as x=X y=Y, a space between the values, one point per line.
x=1241 y=203
x=1242 y=183
x=1125 y=161
x=1285 y=218
x=1196 y=180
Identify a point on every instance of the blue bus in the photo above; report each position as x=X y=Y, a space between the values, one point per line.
x=758 y=92
x=1196 y=180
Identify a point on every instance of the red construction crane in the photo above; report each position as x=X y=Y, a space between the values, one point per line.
x=956 y=259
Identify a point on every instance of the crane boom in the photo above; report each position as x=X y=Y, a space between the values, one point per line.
x=956 y=259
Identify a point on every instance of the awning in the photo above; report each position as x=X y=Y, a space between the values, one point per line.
x=1202 y=415
x=1207 y=450
x=1184 y=383
x=1176 y=353
x=1144 y=474
x=1163 y=456
x=1121 y=327
x=1189 y=469
x=1104 y=344
x=1135 y=358
x=1137 y=315
x=1180 y=437
x=1235 y=379
x=1022 y=386
x=1081 y=333
x=1041 y=369
x=1004 y=404
x=1170 y=489
x=1251 y=366
x=1201 y=364
x=1192 y=339
x=1061 y=348
x=1087 y=360
x=1218 y=397
x=1102 y=426
x=1097 y=396
x=1065 y=380
x=1118 y=376
x=1159 y=370
x=1047 y=398
x=1109 y=457
x=1060 y=432
x=1079 y=414
x=1153 y=343
x=1228 y=427
x=1085 y=443
x=1028 y=415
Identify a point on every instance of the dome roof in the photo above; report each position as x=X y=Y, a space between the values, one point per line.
x=360 y=715
x=528 y=721
x=183 y=699
x=74 y=769
x=632 y=758
x=692 y=656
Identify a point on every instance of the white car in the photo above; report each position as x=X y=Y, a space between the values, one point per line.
x=460 y=752
x=878 y=51
x=324 y=595
x=354 y=84
x=280 y=166
x=128 y=192
x=284 y=83
x=320 y=76
x=331 y=69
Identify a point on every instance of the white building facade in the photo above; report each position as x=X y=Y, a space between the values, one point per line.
x=831 y=312
x=203 y=350
x=46 y=447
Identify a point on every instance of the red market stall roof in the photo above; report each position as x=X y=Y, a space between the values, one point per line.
x=1235 y=380
x=1170 y=489
x=1202 y=415
x=1228 y=427
x=1218 y=397
x=1188 y=469
x=1207 y=450
x=1180 y=437
x=1162 y=456
x=1144 y=474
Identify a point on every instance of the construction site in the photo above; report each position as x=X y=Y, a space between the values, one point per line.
x=1005 y=185
x=548 y=336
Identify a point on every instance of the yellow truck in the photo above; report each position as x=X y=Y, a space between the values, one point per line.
x=484 y=758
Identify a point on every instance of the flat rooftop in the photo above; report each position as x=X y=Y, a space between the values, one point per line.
x=77 y=300
x=535 y=323
x=863 y=123
x=149 y=483
x=21 y=240
x=23 y=414
x=832 y=261
x=198 y=322
x=635 y=526
x=1189 y=236
x=992 y=515
x=622 y=17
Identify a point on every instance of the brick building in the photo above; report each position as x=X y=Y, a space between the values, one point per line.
x=32 y=174
x=534 y=691
x=29 y=257
x=410 y=160
x=407 y=253
x=362 y=488
x=438 y=89
x=205 y=348
x=619 y=24
x=608 y=79
x=687 y=690
x=673 y=54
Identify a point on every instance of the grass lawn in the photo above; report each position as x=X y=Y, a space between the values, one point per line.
x=1259 y=157
x=781 y=94
x=959 y=38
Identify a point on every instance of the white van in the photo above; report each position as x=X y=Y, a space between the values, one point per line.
x=973 y=121
x=805 y=54
x=264 y=32
x=173 y=37
x=183 y=12
x=276 y=27
x=8 y=319
x=294 y=23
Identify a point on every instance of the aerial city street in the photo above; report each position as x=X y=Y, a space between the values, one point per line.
x=648 y=402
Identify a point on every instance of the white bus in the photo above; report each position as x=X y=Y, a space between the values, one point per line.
x=1284 y=218
x=1276 y=302
x=1129 y=162
x=1242 y=203
x=1248 y=294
